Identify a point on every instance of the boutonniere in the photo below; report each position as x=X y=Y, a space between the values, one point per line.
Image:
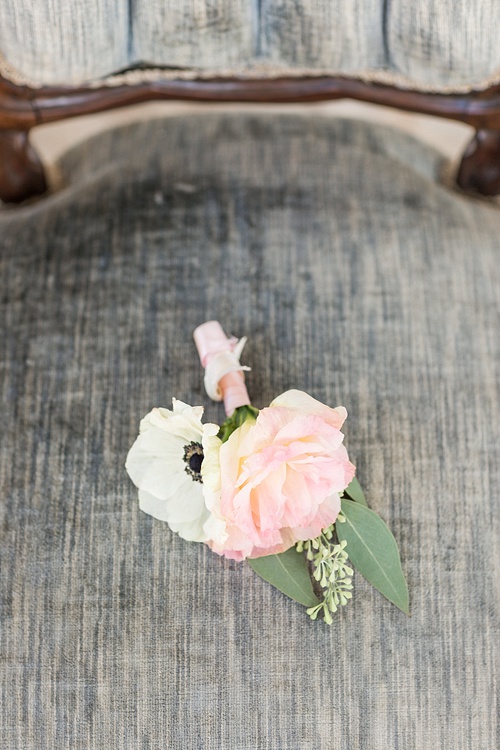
x=274 y=487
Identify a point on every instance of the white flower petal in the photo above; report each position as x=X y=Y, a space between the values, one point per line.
x=155 y=463
x=189 y=526
x=191 y=532
x=210 y=429
x=179 y=425
x=186 y=410
x=187 y=503
x=184 y=421
x=188 y=513
x=215 y=529
x=157 y=467
x=210 y=468
x=153 y=506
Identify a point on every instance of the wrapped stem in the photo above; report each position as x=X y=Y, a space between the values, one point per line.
x=220 y=357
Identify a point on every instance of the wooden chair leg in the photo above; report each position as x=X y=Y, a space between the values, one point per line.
x=21 y=171
x=479 y=171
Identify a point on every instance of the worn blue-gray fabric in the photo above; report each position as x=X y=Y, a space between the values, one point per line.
x=63 y=41
x=357 y=277
x=424 y=44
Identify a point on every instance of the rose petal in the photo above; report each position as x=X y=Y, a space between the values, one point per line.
x=303 y=402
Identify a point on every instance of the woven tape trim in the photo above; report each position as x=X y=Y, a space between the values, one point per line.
x=263 y=71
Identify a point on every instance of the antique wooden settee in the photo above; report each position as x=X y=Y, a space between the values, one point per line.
x=60 y=61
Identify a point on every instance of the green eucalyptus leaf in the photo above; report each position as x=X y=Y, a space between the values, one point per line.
x=289 y=573
x=373 y=551
x=354 y=491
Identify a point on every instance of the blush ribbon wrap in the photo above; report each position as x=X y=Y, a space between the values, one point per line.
x=220 y=357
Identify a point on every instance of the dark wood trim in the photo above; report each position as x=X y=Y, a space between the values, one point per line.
x=479 y=171
x=21 y=172
x=480 y=109
x=22 y=107
x=16 y=111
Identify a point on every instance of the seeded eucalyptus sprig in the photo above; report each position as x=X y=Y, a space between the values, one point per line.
x=330 y=571
x=373 y=552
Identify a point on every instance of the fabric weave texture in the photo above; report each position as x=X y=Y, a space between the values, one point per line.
x=358 y=278
x=424 y=44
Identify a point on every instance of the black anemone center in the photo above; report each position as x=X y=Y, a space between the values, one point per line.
x=195 y=463
x=193 y=458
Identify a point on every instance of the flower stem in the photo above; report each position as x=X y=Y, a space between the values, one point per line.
x=234 y=392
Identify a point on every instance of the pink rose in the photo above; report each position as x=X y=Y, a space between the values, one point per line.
x=278 y=479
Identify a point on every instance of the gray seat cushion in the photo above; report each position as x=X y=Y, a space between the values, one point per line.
x=357 y=277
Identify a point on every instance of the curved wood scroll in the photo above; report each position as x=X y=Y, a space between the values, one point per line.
x=480 y=168
x=21 y=108
x=21 y=172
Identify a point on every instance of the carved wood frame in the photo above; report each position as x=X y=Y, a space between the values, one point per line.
x=22 y=107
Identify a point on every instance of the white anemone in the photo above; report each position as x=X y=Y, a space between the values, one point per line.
x=165 y=465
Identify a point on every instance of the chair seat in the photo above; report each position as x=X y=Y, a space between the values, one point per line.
x=357 y=277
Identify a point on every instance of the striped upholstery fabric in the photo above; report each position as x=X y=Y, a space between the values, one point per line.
x=436 y=44
x=357 y=277
x=65 y=41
